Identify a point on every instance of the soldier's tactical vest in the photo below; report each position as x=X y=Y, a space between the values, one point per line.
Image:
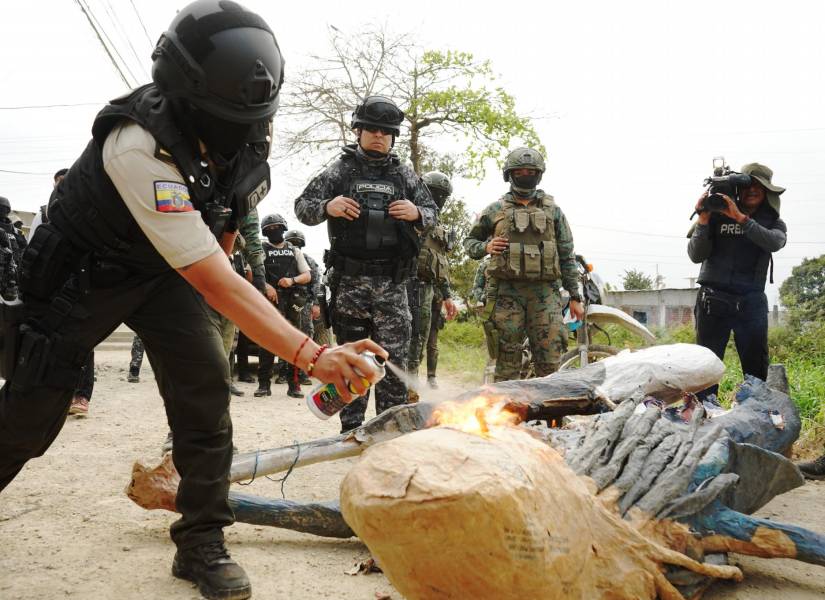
x=279 y=262
x=531 y=230
x=374 y=235
x=432 y=260
x=87 y=208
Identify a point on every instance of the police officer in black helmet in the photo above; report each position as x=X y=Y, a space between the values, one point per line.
x=287 y=272
x=375 y=209
x=136 y=235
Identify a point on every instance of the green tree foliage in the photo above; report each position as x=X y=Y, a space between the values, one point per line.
x=803 y=293
x=447 y=96
x=637 y=280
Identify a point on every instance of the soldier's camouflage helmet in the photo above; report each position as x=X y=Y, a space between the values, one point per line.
x=273 y=220
x=223 y=59
x=523 y=158
x=763 y=175
x=439 y=185
x=295 y=237
x=378 y=111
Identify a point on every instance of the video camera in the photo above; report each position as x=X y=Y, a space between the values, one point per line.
x=723 y=181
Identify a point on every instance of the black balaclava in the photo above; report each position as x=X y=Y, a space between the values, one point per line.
x=223 y=139
x=525 y=185
x=275 y=235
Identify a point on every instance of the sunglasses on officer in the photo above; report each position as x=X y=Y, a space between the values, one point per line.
x=375 y=129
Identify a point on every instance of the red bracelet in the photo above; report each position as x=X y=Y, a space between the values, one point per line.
x=301 y=347
x=315 y=358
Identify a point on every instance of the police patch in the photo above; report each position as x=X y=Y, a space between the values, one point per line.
x=371 y=187
x=171 y=196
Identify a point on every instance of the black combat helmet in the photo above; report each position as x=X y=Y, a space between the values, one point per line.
x=273 y=220
x=295 y=237
x=378 y=111
x=5 y=206
x=439 y=185
x=221 y=58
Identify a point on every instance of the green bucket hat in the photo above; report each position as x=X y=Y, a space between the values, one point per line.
x=763 y=175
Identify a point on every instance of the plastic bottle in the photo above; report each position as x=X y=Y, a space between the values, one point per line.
x=324 y=401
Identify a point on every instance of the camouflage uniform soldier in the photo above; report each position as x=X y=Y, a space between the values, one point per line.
x=531 y=250
x=287 y=273
x=433 y=271
x=375 y=208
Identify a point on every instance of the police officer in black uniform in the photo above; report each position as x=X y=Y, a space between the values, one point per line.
x=315 y=292
x=134 y=237
x=376 y=209
x=9 y=253
x=734 y=247
x=287 y=272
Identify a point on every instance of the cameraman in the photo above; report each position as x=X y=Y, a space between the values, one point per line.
x=734 y=246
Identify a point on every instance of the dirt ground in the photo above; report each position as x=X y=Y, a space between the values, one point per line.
x=67 y=530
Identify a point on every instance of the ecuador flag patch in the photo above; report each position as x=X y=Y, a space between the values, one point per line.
x=171 y=196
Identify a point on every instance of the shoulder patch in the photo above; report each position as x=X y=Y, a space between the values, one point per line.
x=162 y=154
x=172 y=196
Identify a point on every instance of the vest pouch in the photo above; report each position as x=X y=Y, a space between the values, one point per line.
x=521 y=220
x=532 y=261
x=252 y=189
x=45 y=265
x=539 y=221
x=12 y=314
x=551 y=269
x=427 y=269
x=443 y=271
x=514 y=258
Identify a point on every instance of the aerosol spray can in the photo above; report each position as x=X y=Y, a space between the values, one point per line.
x=324 y=401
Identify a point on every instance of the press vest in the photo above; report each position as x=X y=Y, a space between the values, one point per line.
x=88 y=209
x=374 y=235
x=736 y=265
x=532 y=254
x=433 y=266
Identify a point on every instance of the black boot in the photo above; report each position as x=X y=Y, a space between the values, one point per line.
x=281 y=378
x=215 y=573
x=133 y=376
x=304 y=379
x=263 y=389
x=294 y=390
x=234 y=390
x=246 y=377
x=814 y=469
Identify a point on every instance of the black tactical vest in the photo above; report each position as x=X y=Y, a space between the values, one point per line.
x=279 y=262
x=736 y=265
x=87 y=208
x=374 y=235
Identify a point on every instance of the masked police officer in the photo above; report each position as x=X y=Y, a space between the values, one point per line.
x=432 y=271
x=134 y=237
x=375 y=209
x=734 y=247
x=287 y=272
x=311 y=316
x=531 y=249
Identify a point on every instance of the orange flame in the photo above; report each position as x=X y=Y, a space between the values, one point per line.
x=475 y=416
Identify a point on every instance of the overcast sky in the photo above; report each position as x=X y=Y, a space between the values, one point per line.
x=634 y=100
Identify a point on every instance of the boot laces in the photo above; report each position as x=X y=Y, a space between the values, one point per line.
x=214 y=552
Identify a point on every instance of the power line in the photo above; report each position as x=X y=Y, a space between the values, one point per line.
x=102 y=43
x=110 y=10
x=137 y=12
x=35 y=106
x=24 y=172
x=111 y=43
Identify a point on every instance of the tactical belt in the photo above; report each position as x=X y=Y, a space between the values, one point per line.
x=399 y=270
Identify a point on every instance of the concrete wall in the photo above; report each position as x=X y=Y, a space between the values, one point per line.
x=656 y=308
